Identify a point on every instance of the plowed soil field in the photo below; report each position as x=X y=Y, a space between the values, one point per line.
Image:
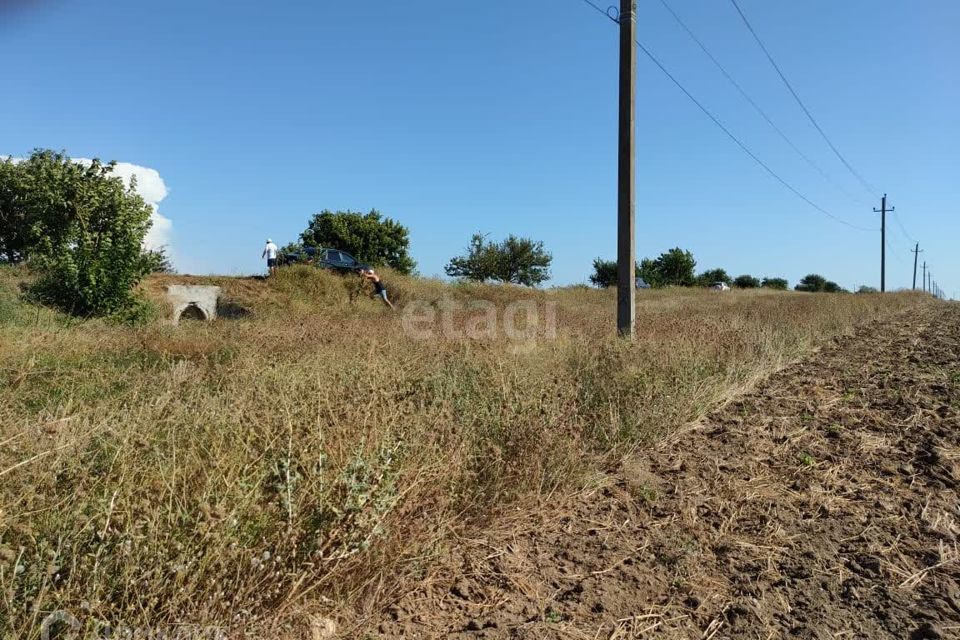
x=823 y=504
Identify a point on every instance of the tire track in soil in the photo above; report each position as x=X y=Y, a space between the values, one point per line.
x=822 y=505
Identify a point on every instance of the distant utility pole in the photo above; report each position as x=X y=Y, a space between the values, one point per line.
x=916 y=255
x=883 y=241
x=924 y=276
x=626 y=197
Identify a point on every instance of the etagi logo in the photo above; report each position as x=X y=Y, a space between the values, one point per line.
x=448 y=319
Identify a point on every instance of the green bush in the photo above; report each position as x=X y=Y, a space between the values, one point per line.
x=87 y=231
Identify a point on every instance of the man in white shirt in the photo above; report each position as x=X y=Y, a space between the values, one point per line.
x=270 y=253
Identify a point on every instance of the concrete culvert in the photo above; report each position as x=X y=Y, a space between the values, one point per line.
x=193 y=302
x=192 y=312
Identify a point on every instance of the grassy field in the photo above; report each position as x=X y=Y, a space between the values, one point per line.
x=312 y=454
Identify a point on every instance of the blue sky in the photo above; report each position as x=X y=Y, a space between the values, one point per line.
x=500 y=116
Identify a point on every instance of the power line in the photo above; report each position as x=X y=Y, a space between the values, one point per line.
x=796 y=97
x=743 y=146
x=756 y=106
x=903 y=230
x=613 y=16
x=896 y=255
x=730 y=134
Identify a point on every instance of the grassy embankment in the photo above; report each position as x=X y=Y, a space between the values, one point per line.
x=307 y=457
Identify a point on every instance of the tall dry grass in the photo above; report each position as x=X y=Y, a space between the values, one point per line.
x=307 y=457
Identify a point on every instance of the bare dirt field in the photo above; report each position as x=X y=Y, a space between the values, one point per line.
x=823 y=504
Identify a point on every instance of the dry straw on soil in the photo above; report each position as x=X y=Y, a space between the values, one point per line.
x=304 y=458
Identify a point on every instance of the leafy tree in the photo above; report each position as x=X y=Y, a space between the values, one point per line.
x=523 y=261
x=605 y=273
x=17 y=229
x=815 y=283
x=158 y=261
x=866 y=289
x=87 y=231
x=370 y=238
x=779 y=284
x=675 y=267
x=516 y=260
x=812 y=282
x=832 y=287
x=479 y=263
x=746 y=282
x=713 y=276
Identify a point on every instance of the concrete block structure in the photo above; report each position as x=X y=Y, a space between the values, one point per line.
x=195 y=302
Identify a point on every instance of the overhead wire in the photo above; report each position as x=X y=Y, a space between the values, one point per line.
x=612 y=16
x=763 y=114
x=743 y=146
x=796 y=97
x=903 y=229
x=727 y=131
x=896 y=255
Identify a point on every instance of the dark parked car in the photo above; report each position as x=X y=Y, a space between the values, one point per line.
x=333 y=259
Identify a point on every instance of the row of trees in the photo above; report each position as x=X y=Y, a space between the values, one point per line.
x=81 y=227
x=677 y=267
x=377 y=240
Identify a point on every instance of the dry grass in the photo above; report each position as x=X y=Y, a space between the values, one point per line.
x=302 y=459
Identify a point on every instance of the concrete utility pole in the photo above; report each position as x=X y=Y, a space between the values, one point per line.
x=626 y=196
x=916 y=255
x=883 y=241
x=924 y=276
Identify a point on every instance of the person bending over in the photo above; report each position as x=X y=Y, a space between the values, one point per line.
x=371 y=275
